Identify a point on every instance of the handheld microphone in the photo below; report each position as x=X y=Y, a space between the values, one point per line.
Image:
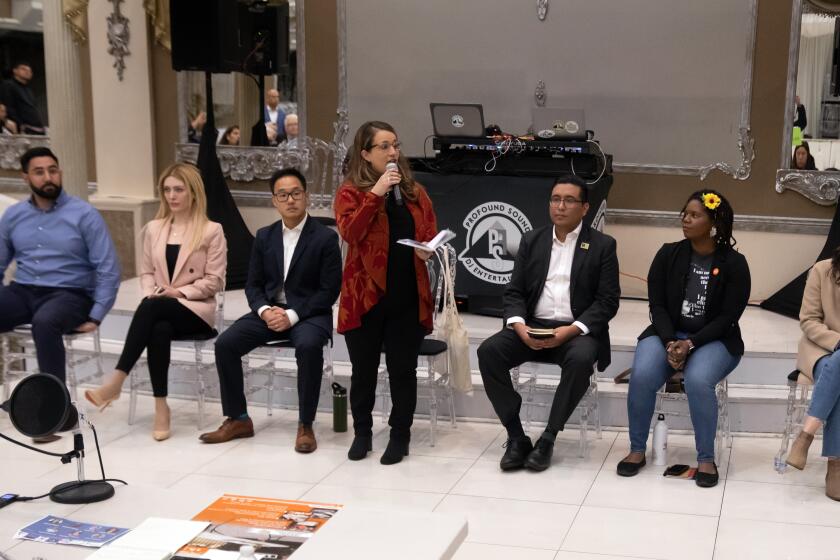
x=392 y=166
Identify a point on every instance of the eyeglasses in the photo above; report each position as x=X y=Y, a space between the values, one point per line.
x=283 y=196
x=568 y=202
x=385 y=146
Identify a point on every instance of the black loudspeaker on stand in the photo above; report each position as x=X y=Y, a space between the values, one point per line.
x=40 y=406
x=221 y=36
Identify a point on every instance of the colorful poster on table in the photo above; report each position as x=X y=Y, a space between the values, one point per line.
x=57 y=530
x=275 y=528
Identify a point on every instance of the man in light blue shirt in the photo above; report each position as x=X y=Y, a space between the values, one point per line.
x=67 y=273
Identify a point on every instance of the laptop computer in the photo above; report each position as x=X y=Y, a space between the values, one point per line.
x=463 y=120
x=554 y=123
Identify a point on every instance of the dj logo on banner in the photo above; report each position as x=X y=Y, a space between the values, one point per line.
x=494 y=230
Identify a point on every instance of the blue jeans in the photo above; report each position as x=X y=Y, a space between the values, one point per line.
x=825 y=399
x=705 y=367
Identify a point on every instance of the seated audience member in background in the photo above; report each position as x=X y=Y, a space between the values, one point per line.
x=293 y=281
x=565 y=279
x=386 y=301
x=802 y=158
x=230 y=137
x=819 y=359
x=697 y=289
x=7 y=125
x=292 y=129
x=67 y=273
x=184 y=264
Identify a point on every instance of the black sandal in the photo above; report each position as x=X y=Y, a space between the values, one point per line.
x=707 y=480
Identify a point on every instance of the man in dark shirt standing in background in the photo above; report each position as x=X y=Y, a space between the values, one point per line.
x=20 y=101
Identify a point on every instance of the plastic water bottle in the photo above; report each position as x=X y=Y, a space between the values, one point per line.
x=246 y=552
x=660 y=441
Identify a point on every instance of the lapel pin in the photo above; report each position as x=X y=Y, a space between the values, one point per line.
x=715 y=271
x=584 y=245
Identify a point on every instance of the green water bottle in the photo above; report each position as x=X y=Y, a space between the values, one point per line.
x=339 y=408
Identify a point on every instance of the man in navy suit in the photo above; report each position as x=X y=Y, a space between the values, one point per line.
x=565 y=284
x=293 y=281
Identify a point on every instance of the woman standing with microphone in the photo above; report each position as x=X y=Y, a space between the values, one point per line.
x=386 y=299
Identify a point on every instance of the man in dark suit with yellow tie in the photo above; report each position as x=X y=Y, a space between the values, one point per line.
x=293 y=281
x=565 y=279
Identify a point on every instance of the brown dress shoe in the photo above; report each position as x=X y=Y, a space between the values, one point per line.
x=230 y=429
x=832 y=479
x=305 y=441
x=798 y=455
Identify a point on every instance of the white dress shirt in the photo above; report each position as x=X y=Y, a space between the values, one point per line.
x=290 y=241
x=555 y=303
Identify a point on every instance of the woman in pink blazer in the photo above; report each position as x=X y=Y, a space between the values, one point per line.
x=184 y=264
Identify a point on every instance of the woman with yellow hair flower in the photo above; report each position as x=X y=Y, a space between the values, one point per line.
x=697 y=289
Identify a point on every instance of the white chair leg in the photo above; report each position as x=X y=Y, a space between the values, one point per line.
x=596 y=411
x=132 y=395
x=97 y=349
x=70 y=367
x=201 y=384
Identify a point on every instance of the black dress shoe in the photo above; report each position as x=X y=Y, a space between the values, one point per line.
x=540 y=458
x=516 y=453
x=360 y=447
x=626 y=468
x=706 y=480
x=394 y=453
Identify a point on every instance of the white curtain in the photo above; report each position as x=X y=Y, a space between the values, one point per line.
x=814 y=70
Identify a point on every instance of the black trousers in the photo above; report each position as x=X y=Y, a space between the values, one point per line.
x=53 y=312
x=249 y=332
x=394 y=326
x=505 y=350
x=155 y=323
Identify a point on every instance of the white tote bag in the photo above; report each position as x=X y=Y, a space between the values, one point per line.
x=450 y=329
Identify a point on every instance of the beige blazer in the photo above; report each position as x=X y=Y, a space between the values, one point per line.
x=199 y=274
x=819 y=318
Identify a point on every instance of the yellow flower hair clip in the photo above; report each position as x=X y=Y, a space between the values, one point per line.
x=711 y=200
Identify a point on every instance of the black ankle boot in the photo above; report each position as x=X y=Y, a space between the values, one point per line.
x=360 y=447
x=394 y=453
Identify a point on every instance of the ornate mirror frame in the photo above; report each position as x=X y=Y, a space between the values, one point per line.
x=745 y=142
x=821 y=187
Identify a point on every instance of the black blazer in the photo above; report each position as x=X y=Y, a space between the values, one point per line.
x=314 y=278
x=726 y=295
x=594 y=282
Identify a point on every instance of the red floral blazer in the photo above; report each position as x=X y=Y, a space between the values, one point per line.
x=363 y=224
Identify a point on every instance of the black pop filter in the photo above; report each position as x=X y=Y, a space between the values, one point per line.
x=40 y=406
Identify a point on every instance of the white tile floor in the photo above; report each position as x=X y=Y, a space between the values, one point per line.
x=577 y=510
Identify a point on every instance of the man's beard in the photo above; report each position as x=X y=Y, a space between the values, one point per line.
x=48 y=194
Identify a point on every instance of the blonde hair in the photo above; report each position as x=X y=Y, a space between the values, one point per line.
x=189 y=175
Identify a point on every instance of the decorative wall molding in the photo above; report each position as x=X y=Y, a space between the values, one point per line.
x=746 y=145
x=12 y=146
x=822 y=187
x=542 y=9
x=771 y=224
x=540 y=94
x=319 y=161
x=118 y=36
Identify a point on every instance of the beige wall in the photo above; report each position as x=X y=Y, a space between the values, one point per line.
x=774 y=258
x=123 y=123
